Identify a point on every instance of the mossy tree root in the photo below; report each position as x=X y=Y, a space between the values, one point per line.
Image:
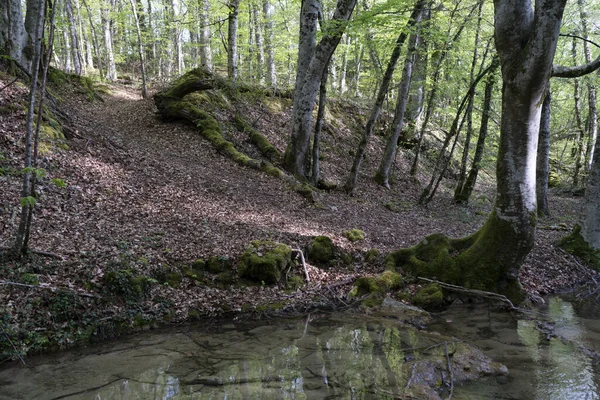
x=172 y=104
x=487 y=260
x=258 y=139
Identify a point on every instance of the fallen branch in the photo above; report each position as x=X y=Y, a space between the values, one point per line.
x=303 y=264
x=475 y=292
x=51 y=288
x=16 y=79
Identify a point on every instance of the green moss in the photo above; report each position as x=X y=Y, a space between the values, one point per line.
x=371 y=255
x=354 y=235
x=378 y=284
x=371 y=301
x=272 y=306
x=324 y=185
x=264 y=261
x=194 y=314
x=429 y=297
x=321 y=250
x=295 y=282
x=271 y=170
x=575 y=244
x=218 y=264
x=173 y=279
x=346 y=258
x=259 y=140
x=305 y=190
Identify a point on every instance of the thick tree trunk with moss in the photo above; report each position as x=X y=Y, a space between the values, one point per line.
x=490 y=259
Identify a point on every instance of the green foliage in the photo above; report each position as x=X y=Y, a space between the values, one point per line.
x=372 y=255
x=27 y=201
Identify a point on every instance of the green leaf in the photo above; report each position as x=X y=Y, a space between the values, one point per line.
x=59 y=182
x=28 y=201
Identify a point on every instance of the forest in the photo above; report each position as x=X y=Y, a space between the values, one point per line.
x=169 y=161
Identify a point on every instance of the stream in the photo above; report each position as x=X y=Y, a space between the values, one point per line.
x=326 y=356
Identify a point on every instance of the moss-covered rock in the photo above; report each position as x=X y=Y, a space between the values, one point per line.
x=321 y=250
x=371 y=255
x=264 y=261
x=429 y=297
x=354 y=235
x=378 y=284
x=128 y=284
x=575 y=244
x=217 y=264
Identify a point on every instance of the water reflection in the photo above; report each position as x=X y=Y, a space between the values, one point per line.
x=319 y=357
x=544 y=355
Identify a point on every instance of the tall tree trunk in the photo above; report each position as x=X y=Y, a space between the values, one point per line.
x=12 y=29
x=543 y=157
x=260 y=45
x=177 y=37
x=350 y=184
x=467 y=144
x=591 y=224
x=66 y=53
x=343 y=85
x=578 y=146
x=469 y=185
x=359 y=54
x=75 y=53
x=232 y=34
x=205 y=50
x=383 y=173
x=140 y=49
x=111 y=68
x=269 y=48
x=94 y=38
x=34 y=10
x=35 y=36
x=436 y=77
x=308 y=81
x=316 y=170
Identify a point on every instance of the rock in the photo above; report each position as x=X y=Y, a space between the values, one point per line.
x=404 y=312
x=263 y=261
x=429 y=297
x=320 y=250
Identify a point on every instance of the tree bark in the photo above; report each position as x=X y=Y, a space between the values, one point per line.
x=140 y=50
x=591 y=224
x=578 y=146
x=75 y=53
x=316 y=170
x=35 y=37
x=232 y=36
x=543 y=157
x=469 y=185
x=308 y=80
x=111 y=68
x=260 y=45
x=350 y=184
x=269 y=49
x=205 y=50
x=389 y=154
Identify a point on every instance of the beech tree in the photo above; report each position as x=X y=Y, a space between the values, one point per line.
x=526 y=37
x=312 y=61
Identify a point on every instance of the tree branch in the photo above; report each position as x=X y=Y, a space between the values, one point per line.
x=559 y=71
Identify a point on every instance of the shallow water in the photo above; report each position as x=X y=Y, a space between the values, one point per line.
x=318 y=357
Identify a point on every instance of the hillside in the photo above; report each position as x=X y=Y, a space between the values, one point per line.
x=152 y=197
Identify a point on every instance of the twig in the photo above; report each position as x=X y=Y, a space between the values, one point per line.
x=303 y=264
x=51 y=288
x=481 y=293
x=13 y=346
x=450 y=370
x=16 y=79
x=412 y=374
x=341 y=283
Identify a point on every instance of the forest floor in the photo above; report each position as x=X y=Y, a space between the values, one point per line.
x=149 y=196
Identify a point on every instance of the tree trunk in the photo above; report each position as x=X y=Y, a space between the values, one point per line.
x=308 y=81
x=543 y=157
x=269 y=50
x=316 y=171
x=94 y=38
x=469 y=185
x=350 y=184
x=232 y=33
x=591 y=223
x=389 y=155
x=343 y=85
x=578 y=146
x=140 y=50
x=34 y=9
x=35 y=37
x=260 y=45
x=12 y=29
x=75 y=53
x=205 y=51
x=111 y=71
x=490 y=259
